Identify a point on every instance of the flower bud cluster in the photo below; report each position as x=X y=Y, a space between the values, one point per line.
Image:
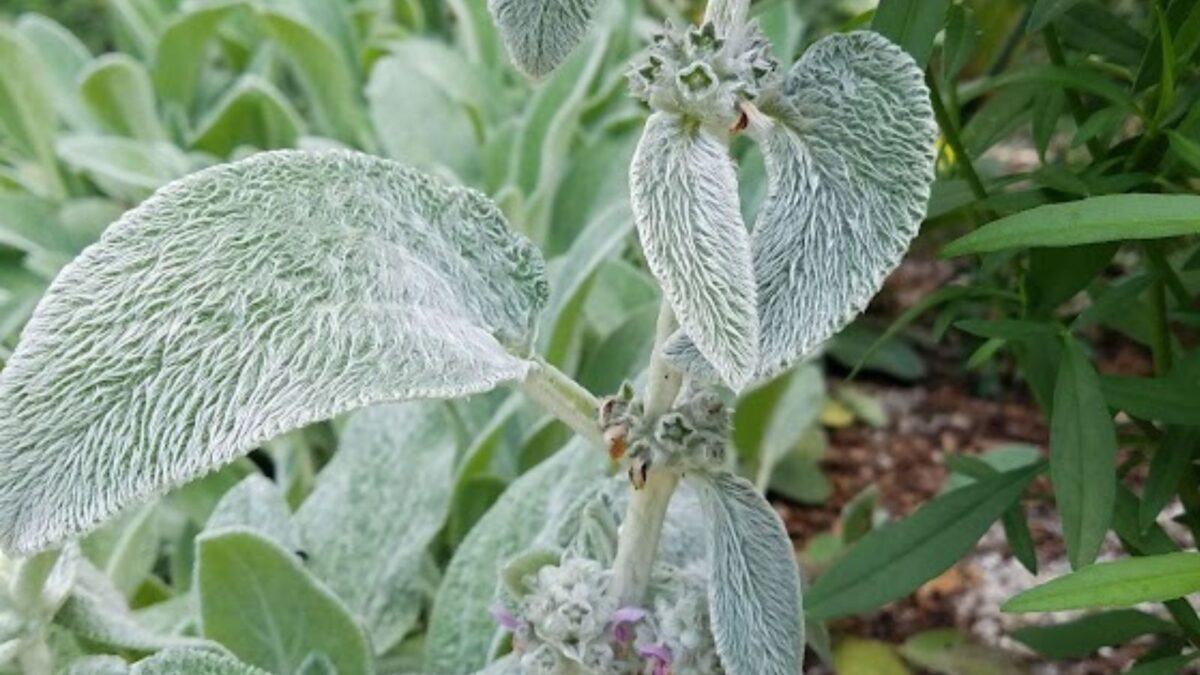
x=693 y=436
x=705 y=76
x=566 y=623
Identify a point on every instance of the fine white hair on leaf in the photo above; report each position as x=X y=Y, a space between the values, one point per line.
x=541 y=33
x=850 y=161
x=244 y=301
x=684 y=190
x=754 y=587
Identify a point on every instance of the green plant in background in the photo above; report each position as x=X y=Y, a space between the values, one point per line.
x=1094 y=233
x=253 y=298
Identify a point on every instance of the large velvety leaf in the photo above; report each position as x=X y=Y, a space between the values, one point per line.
x=896 y=559
x=1083 y=456
x=850 y=164
x=1122 y=583
x=375 y=509
x=181 y=51
x=461 y=631
x=244 y=301
x=754 y=588
x=685 y=202
x=260 y=602
x=540 y=33
x=124 y=168
x=65 y=58
x=257 y=504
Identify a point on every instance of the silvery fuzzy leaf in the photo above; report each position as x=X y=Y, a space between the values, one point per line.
x=850 y=162
x=850 y=158
x=193 y=662
x=375 y=509
x=541 y=33
x=256 y=503
x=461 y=630
x=754 y=587
x=244 y=301
x=685 y=202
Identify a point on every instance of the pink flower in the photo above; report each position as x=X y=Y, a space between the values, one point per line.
x=621 y=621
x=659 y=656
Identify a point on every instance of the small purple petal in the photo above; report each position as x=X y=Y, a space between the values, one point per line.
x=502 y=617
x=660 y=654
x=622 y=618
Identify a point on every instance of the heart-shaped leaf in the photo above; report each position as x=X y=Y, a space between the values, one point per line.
x=850 y=163
x=244 y=301
x=685 y=202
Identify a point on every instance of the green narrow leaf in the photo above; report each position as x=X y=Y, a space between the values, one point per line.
x=327 y=79
x=1084 y=636
x=375 y=509
x=959 y=44
x=65 y=58
x=791 y=418
x=603 y=238
x=1186 y=149
x=1056 y=275
x=912 y=24
x=1107 y=218
x=1046 y=11
x=683 y=185
x=897 y=558
x=118 y=92
x=1171 y=665
x=181 y=53
x=1168 y=466
x=754 y=585
x=27 y=114
x=1164 y=399
x=290 y=615
x=252 y=113
x=1122 y=583
x=274 y=311
x=1083 y=456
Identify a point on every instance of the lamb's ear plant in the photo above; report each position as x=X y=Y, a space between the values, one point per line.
x=254 y=298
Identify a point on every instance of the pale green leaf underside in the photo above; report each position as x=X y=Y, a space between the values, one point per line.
x=244 y=301
x=118 y=92
x=541 y=33
x=376 y=508
x=754 y=593
x=849 y=158
x=461 y=631
x=193 y=662
x=259 y=601
x=683 y=186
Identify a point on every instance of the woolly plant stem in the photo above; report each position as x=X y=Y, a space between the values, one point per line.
x=564 y=398
x=641 y=529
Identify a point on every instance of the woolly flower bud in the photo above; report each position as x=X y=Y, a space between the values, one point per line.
x=695 y=72
x=681 y=613
x=569 y=606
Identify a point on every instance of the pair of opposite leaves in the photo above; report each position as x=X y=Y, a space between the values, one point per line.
x=257 y=297
x=849 y=151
